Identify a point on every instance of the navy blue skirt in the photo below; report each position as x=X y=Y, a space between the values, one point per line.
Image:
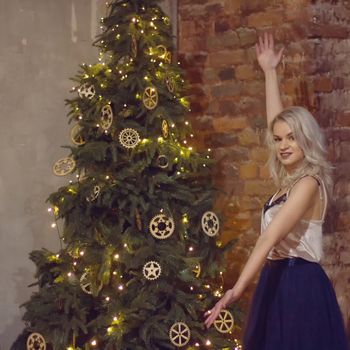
x=294 y=308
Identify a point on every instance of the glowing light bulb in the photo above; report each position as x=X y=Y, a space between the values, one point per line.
x=93 y=343
x=82 y=253
x=116 y=256
x=49 y=210
x=108 y=298
x=69 y=274
x=53 y=225
x=208 y=342
x=190 y=249
x=121 y=287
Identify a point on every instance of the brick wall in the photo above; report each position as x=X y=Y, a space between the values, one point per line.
x=216 y=48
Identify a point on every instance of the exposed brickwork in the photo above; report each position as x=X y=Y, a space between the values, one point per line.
x=216 y=45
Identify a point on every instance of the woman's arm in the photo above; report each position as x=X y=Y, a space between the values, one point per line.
x=300 y=200
x=268 y=61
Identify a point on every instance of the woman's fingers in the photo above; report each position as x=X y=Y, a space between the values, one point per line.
x=257 y=49
x=270 y=41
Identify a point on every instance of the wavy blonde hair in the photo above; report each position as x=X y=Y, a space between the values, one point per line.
x=310 y=139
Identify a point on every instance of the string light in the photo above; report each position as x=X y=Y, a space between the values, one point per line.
x=93 y=342
x=108 y=298
x=49 y=210
x=82 y=253
x=116 y=256
x=208 y=342
x=121 y=287
x=190 y=249
x=53 y=225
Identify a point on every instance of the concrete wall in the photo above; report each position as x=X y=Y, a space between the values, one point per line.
x=42 y=43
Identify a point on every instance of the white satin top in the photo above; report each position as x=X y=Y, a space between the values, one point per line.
x=305 y=240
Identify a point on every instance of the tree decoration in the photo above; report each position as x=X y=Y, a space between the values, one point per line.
x=170 y=83
x=210 y=223
x=150 y=97
x=225 y=322
x=165 y=129
x=162 y=161
x=94 y=193
x=87 y=91
x=129 y=138
x=138 y=219
x=133 y=46
x=152 y=270
x=86 y=284
x=36 y=341
x=197 y=270
x=76 y=136
x=106 y=117
x=124 y=60
x=64 y=166
x=161 y=227
x=180 y=334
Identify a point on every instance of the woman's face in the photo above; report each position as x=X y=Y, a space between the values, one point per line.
x=287 y=149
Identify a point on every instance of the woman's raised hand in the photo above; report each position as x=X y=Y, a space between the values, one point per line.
x=229 y=297
x=265 y=52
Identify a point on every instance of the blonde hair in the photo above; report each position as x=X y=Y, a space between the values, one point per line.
x=310 y=139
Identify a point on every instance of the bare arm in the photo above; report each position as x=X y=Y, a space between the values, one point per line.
x=299 y=202
x=268 y=60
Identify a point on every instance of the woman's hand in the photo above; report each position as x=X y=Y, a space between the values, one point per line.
x=265 y=52
x=229 y=297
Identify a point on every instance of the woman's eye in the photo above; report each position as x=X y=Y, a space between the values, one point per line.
x=291 y=138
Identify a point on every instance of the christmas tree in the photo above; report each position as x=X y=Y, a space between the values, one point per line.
x=140 y=258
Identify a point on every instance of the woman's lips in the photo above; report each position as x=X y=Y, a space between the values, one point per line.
x=285 y=155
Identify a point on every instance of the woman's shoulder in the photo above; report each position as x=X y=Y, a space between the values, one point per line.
x=306 y=184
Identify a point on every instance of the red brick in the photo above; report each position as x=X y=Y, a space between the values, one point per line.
x=259 y=154
x=265 y=19
x=227 y=58
x=248 y=171
x=257 y=188
x=227 y=124
x=323 y=84
x=248 y=137
x=245 y=72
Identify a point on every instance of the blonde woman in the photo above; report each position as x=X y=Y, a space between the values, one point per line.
x=294 y=306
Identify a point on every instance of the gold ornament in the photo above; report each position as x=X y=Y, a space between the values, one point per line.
x=210 y=223
x=133 y=47
x=170 y=83
x=106 y=117
x=167 y=57
x=197 y=270
x=64 y=166
x=124 y=60
x=179 y=334
x=225 y=322
x=94 y=194
x=152 y=270
x=85 y=283
x=161 y=227
x=165 y=129
x=36 y=342
x=129 y=138
x=161 y=50
x=162 y=161
x=138 y=219
x=75 y=135
x=86 y=91
x=150 y=98
x=164 y=53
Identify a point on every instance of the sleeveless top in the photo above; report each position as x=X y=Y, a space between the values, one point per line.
x=305 y=239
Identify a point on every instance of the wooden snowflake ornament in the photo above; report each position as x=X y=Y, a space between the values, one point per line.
x=64 y=166
x=165 y=129
x=210 y=223
x=129 y=138
x=180 y=334
x=150 y=97
x=94 y=193
x=224 y=323
x=106 y=117
x=36 y=342
x=76 y=136
x=87 y=91
x=161 y=227
x=152 y=270
x=170 y=84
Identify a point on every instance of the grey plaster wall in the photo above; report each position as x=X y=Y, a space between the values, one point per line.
x=42 y=43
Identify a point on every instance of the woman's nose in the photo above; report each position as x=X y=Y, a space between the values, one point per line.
x=284 y=144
